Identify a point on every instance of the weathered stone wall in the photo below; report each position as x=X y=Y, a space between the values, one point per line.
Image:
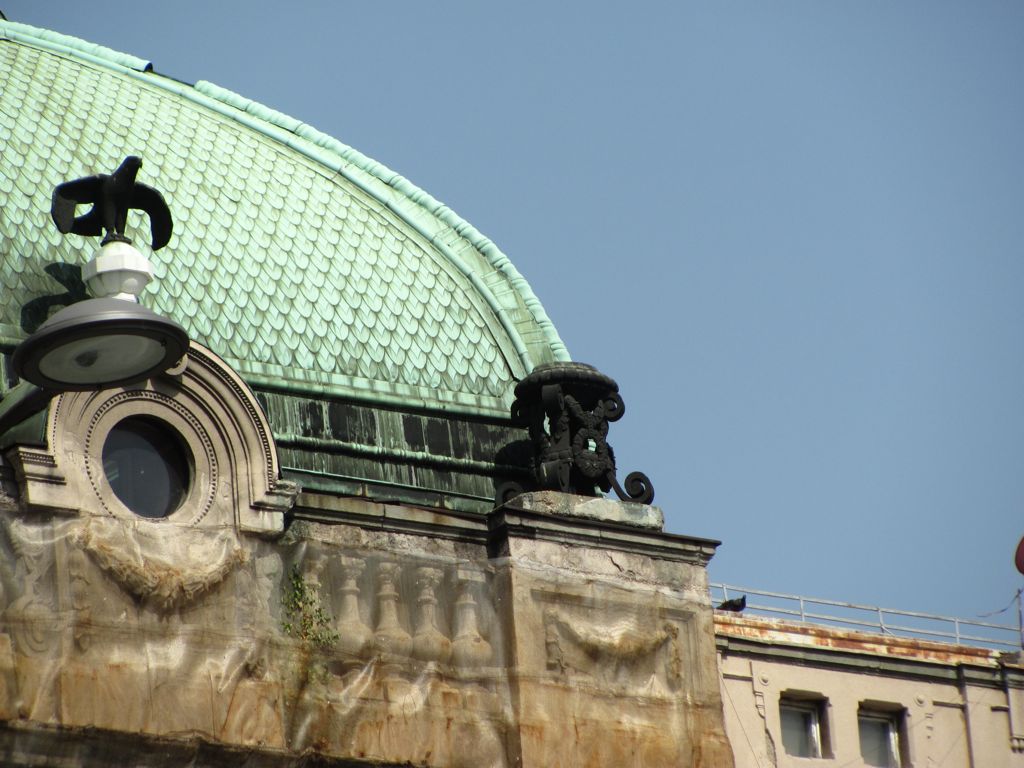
x=415 y=637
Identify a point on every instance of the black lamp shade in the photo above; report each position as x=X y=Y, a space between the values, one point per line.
x=99 y=343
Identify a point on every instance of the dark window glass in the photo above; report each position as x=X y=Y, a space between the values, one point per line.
x=880 y=738
x=799 y=730
x=803 y=716
x=147 y=465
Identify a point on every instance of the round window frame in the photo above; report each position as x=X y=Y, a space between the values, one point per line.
x=163 y=446
x=171 y=415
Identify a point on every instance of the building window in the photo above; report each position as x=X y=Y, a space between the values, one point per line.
x=147 y=466
x=804 y=724
x=882 y=740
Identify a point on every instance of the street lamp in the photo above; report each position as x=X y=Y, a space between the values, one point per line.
x=111 y=340
x=99 y=343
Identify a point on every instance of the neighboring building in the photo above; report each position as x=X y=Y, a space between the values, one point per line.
x=806 y=694
x=287 y=549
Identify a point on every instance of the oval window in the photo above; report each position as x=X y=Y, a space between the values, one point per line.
x=148 y=466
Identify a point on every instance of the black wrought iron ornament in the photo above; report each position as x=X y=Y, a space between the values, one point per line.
x=111 y=196
x=567 y=408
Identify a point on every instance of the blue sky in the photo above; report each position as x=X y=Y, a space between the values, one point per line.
x=792 y=231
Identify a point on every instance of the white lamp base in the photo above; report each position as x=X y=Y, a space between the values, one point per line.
x=117 y=271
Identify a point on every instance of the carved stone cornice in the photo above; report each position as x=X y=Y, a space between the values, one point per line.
x=510 y=522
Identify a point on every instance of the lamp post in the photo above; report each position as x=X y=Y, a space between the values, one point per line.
x=110 y=340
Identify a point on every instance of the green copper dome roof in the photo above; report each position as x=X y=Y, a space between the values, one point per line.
x=306 y=265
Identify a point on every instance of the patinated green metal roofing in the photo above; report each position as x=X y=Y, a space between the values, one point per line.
x=307 y=266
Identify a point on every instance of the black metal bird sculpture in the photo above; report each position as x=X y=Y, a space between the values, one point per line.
x=111 y=197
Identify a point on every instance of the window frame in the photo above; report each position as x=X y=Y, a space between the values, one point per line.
x=813 y=707
x=235 y=474
x=894 y=719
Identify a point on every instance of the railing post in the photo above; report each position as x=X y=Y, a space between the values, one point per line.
x=956 y=630
x=803 y=617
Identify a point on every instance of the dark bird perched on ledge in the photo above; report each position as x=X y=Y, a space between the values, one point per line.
x=111 y=197
x=736 y=605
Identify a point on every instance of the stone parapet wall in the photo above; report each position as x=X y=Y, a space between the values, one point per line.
x=520 y=639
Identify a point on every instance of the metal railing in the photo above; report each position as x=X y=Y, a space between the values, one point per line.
x=887 y=621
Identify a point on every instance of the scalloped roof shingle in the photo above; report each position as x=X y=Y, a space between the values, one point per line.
x=306 y=265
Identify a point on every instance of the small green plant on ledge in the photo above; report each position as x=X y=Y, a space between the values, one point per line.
x=304 y=616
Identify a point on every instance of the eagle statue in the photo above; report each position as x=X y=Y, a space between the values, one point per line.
x=111 y=196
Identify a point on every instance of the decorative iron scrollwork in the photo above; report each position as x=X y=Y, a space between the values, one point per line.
x=567 y=408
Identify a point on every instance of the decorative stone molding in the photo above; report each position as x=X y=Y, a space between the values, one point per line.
x=428 y=643
x=598 y=642
x=391 y=639
x=234 y=472
x=163 y=574
x=1015 y=704
x=469 y=649
x=624 y=646
x=427 y=611
x=354 y=637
